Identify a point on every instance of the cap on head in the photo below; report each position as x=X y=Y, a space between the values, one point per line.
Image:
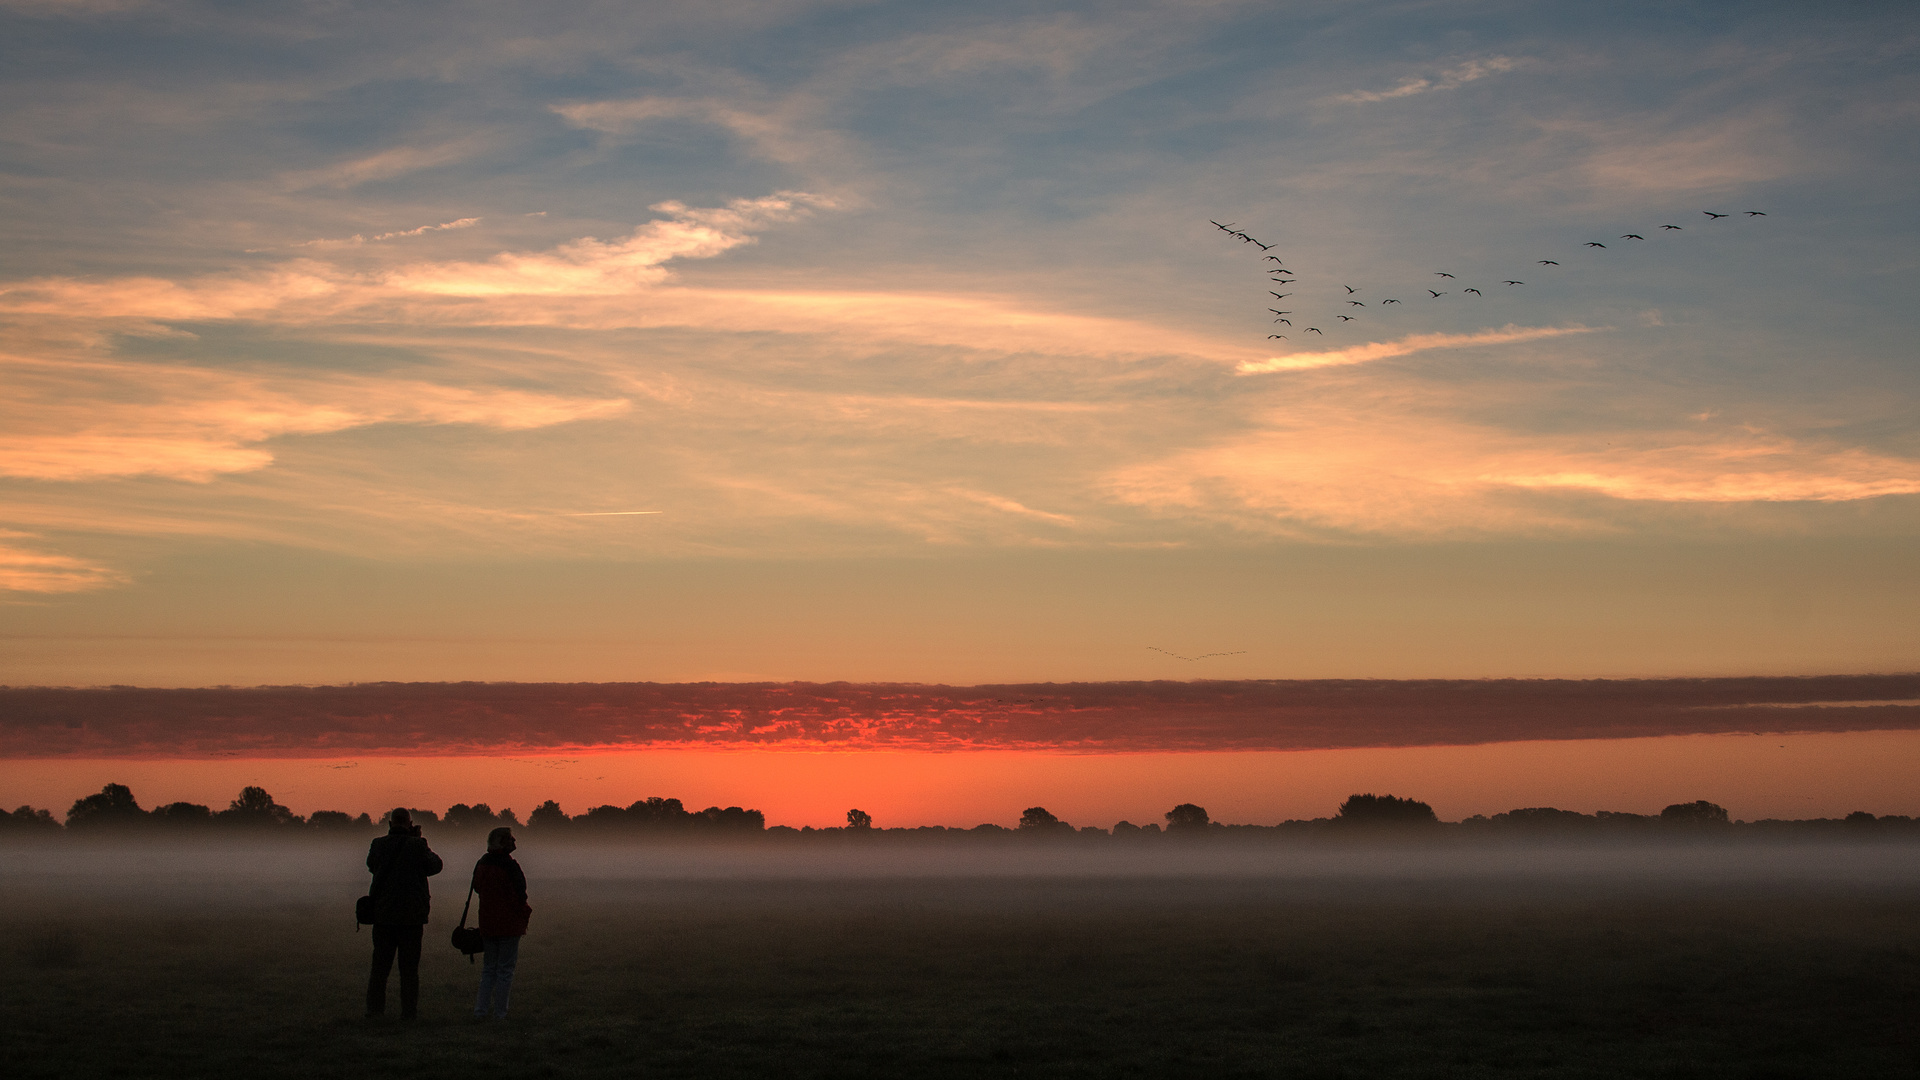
x=401 y=816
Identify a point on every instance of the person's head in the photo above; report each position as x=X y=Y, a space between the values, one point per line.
x=400 y=820
x=501 y=840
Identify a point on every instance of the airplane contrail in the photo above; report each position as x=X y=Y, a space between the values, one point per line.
x=615 y=513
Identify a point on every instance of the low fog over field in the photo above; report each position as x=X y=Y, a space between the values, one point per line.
x=229 y=872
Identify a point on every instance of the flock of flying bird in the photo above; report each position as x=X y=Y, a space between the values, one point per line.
x=1279 y=274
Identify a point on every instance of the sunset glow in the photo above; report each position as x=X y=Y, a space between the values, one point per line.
x=948 y=408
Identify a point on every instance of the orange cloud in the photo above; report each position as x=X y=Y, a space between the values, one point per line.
x=23 y=569
x=1380 y=350
x=1383 y=460
x=82 y=419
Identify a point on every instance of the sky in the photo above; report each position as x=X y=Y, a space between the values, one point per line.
x=895 y=342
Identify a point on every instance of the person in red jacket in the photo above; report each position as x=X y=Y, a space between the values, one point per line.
x=502 y=888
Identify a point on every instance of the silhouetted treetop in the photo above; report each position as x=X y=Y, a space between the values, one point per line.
x=254 y=807
x=183 y=813
x=26 y=819
x=859 y=820
x=1384 y=810
x=1695 y=815
x=1037 y=820
x=113 y=807
x=1188 y=818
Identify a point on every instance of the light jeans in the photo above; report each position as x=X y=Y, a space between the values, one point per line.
x=496 y=976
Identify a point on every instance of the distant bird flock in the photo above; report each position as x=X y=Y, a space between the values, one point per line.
x=1202 y=656
x=1300 y=320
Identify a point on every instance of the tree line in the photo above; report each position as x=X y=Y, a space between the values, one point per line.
x=114 y=807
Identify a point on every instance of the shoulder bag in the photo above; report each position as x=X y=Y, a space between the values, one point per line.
x=467 y=938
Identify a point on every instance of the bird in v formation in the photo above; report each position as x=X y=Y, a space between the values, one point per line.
x=1279 y=274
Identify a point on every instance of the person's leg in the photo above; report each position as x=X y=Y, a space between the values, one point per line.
x=409 y=950
x=383 y=949
x=489 y=968
x=509 y=953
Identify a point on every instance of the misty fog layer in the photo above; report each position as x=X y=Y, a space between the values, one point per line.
x=240 y=873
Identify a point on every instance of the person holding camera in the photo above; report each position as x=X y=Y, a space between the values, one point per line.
x=502 y=888
x=401 y=863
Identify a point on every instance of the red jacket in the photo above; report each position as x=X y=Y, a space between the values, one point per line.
x=502 y=889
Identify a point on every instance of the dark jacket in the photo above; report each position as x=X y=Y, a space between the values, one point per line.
x=401 y=863
x=502 y=888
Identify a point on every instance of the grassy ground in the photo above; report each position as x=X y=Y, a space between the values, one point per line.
x=996 y=979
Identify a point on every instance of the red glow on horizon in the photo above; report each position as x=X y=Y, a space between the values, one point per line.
x=1754 y=776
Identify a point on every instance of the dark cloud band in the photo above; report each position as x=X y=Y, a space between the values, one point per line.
x=1112 y=717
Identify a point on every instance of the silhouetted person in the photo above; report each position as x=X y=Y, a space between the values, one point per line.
x=401 y=863
x=502 y=888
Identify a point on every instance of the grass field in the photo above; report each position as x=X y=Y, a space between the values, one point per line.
x=1015 y=974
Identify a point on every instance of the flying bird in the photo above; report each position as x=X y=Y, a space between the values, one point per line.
x=1278 y=295
x=1344 y=318
x=1475 y=292
x=1202 y=656
x=1350 y=289
x=1261 y=246
x=1282 y=337
x=1515 y=283
x=1754 y=213
x=1441 y=273
x=1389 y=301
x=1316 y=330
x=1592 y=244
x=1548 y=262
x=1227 y=228
x=1289 y=322
x=1711 y=214
x=1631 y=236
x=1355 y=303
x=1675 y=228
x=1275 y=258
x=1436 y=295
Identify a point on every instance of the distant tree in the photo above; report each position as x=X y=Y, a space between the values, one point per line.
x=477 y=816
x=506 y=817
x=1092 y=830
x=986 y=828
x=658 y=813
x=1188 y=818
x=1125 y=828
x=113 y=807
x=1151 y=827
x=254 y=808
x=28 y=820
x=1384 y=810
x=733 y=818
x=331 y=820
x=183 y=813
x=859 y=820
x=1860 y=819
x=1544 y=818
x=1694 y=815
x=1035 y=820
x=420 y=817
x=547 y=815
x=605 y=816
x=1615 y=819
